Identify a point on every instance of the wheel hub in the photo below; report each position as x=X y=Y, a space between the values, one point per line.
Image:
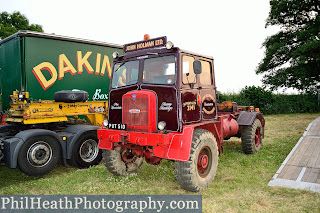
x=89 y=150
x=204 y=160
x=39 y=154
x=126 y=155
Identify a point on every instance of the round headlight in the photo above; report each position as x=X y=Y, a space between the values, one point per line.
x=161 y=125
x=115 y=54
x=169 y=45
x=105 y=123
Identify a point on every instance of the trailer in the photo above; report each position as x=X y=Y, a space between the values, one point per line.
x=54 y=95
x=43 y=64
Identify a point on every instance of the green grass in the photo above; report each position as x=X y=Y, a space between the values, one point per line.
x=239 y=186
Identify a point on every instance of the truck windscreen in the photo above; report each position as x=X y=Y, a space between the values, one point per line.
x=125 y=74
x=160 y=70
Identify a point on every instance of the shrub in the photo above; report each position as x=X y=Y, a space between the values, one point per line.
x=273 y=103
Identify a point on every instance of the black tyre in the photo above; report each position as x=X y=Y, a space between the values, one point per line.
x=39 y=155
x=71 y=96
x=251 y=137
x=85 y=152
x=121 y=162
x=199 y=171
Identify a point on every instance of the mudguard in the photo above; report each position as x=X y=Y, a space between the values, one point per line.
x=12 y=145
x=247 y=118
x=77 y=131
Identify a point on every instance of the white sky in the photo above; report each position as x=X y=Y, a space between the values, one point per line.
x=232 y=32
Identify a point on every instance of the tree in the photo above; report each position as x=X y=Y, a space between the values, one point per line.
x=12 y=23
x=292 y=57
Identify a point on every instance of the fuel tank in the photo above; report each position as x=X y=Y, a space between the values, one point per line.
x=230 y=127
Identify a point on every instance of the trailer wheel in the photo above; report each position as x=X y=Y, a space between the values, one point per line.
x=71 y=96
x=251 y=137
x=121 y=162
x=39 y=155
x=199 y=171
x=85 y=152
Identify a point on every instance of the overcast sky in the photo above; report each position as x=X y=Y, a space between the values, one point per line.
x=232 y=32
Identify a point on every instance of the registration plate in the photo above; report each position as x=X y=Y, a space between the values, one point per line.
x=117 y=126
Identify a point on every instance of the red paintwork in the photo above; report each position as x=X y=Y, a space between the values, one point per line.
x=257 y=137
x=139 y=110
x=139 y=151
x=3 y=118
x=126 y=155
x=216 y=128
x=173 y=146
x=203 y=162
x=230 y=127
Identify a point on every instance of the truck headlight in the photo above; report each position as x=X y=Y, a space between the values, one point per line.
x=105 y=123
x=162 y=125
x=169 y=45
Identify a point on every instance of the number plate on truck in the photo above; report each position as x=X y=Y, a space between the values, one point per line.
x=117 y=126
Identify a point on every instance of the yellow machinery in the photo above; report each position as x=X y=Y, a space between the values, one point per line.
x=47 y=111
x=44 y=131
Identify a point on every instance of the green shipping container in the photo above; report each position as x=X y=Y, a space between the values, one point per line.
x=43 y=64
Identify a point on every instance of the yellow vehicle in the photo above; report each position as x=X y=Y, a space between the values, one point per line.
x=39 y=133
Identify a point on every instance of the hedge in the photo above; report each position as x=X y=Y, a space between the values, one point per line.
x=270 y=103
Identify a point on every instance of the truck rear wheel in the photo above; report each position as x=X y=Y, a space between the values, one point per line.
x=85 y=152
x=39 y=155
x=199 y=171
x=251 y=137
x=121 y=162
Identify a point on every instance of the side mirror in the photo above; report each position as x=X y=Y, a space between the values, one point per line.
x=197 y=67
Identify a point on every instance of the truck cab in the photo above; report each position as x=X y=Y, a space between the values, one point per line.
x=162 y=105
x=182 y=86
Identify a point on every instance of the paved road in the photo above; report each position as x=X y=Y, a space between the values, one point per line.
x=301 y=168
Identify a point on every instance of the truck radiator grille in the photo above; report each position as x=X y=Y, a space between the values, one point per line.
x=137 y=111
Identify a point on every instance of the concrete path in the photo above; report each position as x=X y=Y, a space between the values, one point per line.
x=301 y=168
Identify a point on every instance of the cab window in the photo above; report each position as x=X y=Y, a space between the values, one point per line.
x=188 y=76
x=125 y=74
x=159 y=70
x=205 y=76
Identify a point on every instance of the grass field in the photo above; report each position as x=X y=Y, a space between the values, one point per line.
x=239 y=186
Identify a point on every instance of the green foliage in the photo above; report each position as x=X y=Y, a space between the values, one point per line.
x=12 y=23
x=270 y=103
x=292 y=57
x=256 y=96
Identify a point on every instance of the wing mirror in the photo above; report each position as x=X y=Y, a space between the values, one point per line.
x=197 y=67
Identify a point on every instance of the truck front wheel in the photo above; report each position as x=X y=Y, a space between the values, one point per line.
x=85 y=152
x=39 y=155
x=199 y=171
x=251 y=137
x=121 y=162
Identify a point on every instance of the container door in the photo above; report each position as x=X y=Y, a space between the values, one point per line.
x=10 y=69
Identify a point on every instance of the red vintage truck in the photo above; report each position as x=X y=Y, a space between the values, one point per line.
x=163 y=105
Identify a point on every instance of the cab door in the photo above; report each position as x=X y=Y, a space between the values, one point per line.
x=207 y=90
x=190 y=96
